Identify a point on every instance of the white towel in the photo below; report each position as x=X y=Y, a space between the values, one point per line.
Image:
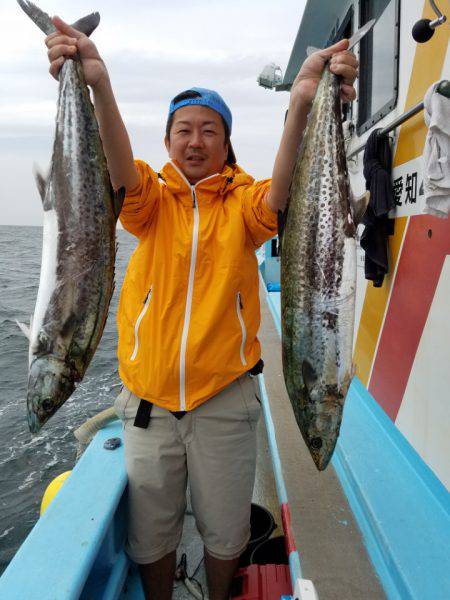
x=436 y=155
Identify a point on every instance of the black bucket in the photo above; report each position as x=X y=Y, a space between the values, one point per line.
x=261 y=526
x=270 y=552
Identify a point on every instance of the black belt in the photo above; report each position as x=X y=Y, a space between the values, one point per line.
x=144 y=410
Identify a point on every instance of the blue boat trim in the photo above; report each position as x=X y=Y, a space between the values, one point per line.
x=273 y=287
x=402 y=509
x=86 y=525
x=116 y=581
x=276 y=463
x=294 y=558
x=273 y=300
x=294 y=567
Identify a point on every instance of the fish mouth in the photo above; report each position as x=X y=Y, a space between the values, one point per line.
x=321 y=460
x=50 y=383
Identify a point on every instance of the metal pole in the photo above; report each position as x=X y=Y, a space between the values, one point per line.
x=398 y=121
x=440 y=17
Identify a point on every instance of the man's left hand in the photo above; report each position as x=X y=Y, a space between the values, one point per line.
x=342 y=62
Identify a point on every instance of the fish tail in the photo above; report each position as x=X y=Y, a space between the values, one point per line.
x=86 y=24
x=38 y=16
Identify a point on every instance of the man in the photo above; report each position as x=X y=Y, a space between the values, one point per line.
x=189 y=313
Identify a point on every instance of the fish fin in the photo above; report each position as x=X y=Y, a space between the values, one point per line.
x=309 y=375
x=24 y=329
x=311 y=49
x=87 y=24
x=119 y=197
x=38 y=16
x=358 y=206
x=41 y=182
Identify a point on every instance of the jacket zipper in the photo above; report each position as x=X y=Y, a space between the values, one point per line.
x=138 y=322
x=190 y=290
x=187 y=314
x=239 y=308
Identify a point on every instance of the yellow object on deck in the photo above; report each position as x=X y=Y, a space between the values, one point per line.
x=52 y=489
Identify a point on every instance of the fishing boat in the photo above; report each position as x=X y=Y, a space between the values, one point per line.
x=376 y=523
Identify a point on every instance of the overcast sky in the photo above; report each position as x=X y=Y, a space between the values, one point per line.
x=153 y=50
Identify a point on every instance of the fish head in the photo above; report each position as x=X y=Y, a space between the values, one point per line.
x=321 y=414
x=50 y=383
x=323 y=424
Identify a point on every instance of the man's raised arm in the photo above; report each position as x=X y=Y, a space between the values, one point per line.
x=303 y=90
x=64 y=43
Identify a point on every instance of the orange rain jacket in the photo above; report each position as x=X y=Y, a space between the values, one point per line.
x=189 y=307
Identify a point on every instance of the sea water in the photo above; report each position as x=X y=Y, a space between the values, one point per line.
x=28 y=463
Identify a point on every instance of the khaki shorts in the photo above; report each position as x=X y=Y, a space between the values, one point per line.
x=214 y=448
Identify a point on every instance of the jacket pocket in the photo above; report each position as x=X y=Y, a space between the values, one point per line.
x=138 y=323
x=239 y=307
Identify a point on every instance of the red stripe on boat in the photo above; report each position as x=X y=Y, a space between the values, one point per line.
x=420 y=265
x=286 y=520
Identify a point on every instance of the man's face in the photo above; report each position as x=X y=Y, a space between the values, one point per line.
x=197 y=142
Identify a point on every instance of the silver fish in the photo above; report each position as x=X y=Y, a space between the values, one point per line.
x=77 y=269
x=318 y=277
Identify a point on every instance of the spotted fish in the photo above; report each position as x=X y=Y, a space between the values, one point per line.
x=318 y=277
x=78 y=255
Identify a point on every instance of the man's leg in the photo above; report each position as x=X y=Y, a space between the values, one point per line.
x=156 y=466
x=221 y=464
x=220 y=575
x=157 y=577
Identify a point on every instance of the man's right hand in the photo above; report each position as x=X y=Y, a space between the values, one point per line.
x=64 y=43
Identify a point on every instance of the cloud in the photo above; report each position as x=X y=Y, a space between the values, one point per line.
x=153 y=50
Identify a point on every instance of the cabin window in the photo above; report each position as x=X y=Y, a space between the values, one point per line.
x=378 y=82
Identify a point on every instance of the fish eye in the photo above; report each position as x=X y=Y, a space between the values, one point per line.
x=316 y=443
x=47 y=405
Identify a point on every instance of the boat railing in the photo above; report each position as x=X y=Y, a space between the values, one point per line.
x=443 y=88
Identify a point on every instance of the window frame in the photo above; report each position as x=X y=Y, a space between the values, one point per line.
x=338 y=32
x=366 y=69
